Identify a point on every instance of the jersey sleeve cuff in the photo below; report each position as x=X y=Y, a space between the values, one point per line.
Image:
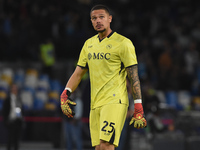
x=83 y=67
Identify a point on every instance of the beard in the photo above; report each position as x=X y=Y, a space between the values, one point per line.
x=101 y=31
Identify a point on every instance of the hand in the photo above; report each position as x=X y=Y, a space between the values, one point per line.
x=66 y=104
x=138 y=119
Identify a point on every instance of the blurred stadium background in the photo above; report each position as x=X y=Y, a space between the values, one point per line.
x=166 y=35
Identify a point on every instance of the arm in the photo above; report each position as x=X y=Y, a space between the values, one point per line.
x=138 y=116
x=76 y=77
x=71 y=86
x=132 y=72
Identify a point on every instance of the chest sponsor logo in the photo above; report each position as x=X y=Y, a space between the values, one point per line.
x=89 y=56
x=99 y=56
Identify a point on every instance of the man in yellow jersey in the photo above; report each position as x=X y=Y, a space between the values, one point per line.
x=109 y=57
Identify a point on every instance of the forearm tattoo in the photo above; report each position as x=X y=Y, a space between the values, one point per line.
x=132 y=72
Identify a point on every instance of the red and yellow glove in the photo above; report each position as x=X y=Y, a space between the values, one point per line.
x=138 y=119
x=66 y=104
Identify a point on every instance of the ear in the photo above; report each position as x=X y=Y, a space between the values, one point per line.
x=110 y=18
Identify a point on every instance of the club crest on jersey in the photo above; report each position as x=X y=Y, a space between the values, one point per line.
x=109 y=46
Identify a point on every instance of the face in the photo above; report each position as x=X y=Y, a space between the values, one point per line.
x=100 y=20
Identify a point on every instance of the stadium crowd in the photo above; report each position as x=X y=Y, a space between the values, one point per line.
x=166 y=34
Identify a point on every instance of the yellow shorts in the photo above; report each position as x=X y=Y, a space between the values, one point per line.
x=106 y=123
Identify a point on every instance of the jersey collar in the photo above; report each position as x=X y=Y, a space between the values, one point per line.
x=106 y=37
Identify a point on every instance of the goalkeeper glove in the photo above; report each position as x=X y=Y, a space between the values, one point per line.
x=138 y=119
x=66 y=103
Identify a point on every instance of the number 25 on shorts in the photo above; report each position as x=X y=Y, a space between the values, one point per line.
x=111 y=125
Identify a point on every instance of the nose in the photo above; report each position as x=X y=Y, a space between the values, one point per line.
x=98 y=20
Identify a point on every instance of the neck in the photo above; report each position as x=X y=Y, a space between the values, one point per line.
x=104 y=34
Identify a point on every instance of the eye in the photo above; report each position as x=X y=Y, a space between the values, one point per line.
x=94 y=18
x=101 y=17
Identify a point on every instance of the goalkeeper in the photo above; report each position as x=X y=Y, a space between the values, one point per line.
x=109 y=57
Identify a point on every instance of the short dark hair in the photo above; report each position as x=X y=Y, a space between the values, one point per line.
x=100 y=6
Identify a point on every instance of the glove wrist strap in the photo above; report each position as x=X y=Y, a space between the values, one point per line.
x=138 y=108
x=68 y=91
x=136 y=101
x=67 y=88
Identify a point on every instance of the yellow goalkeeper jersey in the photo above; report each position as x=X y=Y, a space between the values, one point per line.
x=106 y=61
